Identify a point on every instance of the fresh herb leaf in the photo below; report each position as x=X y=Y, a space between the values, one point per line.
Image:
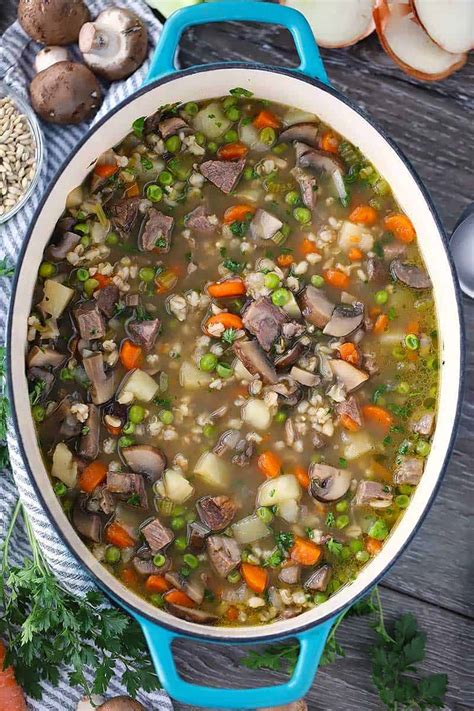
x=36 y=391
x=142 y=314
x=343 y=463
x=134 y=500
x=239 y=228
x=334 y=547
x=233 y=266
x=229 y=335
x=6 y=269
x=138 y=125
x=146 y=163
x=378 y=393
x=284 y=540
x=330 y=519
x=239 y=92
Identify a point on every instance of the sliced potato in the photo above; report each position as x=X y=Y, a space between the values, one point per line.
x=56 y=297
x=64 y=465
x=212 y=121
x=250 y=529
x=191 y=378
x=176 y=486
x=141 y=385
x=358 y=444
x=352 y=235
x=212 y=470
x=279 y=489
x=257 y=414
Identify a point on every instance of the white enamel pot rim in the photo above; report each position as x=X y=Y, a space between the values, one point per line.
x=296 y=90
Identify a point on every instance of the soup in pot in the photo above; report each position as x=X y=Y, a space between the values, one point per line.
x=233 y=360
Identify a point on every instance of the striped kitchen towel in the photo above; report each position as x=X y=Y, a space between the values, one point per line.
x=17 y=53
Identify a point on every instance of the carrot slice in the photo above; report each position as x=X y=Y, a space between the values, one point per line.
x=336 y=278
x=231 y=151
x=93 y=475
x=132 y=191
x=350 y=353
x=227 y=320
x=302 y=475
x=378 y=415
x=227 y=288
x=157 y=584
x=305 y=552
x=266 y=119
x=232 y=613
x=373 y=546
x=349 y=424
x=401 y=227
x=355 y=254
x=285 y=260
x=129 y=577
x=105 y=170
x=307 y=246
x=238 y=213
x=11 y=693
x=131 y=355
x=178 y=597
x=413 y=327
x=118 y=536
x=364 y=215
x=381 y=324
x=330 y=142
x=256 y=577
x=269 y=464
x=103 y=280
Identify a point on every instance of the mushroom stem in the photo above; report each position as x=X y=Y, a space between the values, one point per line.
x=91 y=39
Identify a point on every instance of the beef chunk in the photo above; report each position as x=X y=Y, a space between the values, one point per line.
x=152 y=123
x=173 y=125
x=264 y=320
x=224 y=174
x=156 y=232
x=308 y=187
x=156 y=535
x=376 y=270
x=198 y=220
x=90 y=321
x=101 y=500
x=127 y=484
x=86 y=523
x=224 y=554
x=319 y=580
x=255 y=360
x=106 y=299
x=124 y=213
x=409 y=471
x=132 y=300
x=393 y=250
x=290 y=574
x=368 y=491
x=216 y=511
x=144 y=333
x=197 y=534
x=424 y=424
x=350 y=407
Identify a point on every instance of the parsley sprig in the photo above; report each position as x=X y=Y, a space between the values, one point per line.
x=4 y=411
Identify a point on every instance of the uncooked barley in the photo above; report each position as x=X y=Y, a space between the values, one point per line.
x=17 y=155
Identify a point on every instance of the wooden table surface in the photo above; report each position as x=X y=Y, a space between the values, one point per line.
x=433 y=124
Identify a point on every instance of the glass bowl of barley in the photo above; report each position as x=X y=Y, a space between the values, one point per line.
x=21 y=151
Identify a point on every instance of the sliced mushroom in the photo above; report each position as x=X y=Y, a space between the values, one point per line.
x=328 y=483
x=86 y=523
x=289 y=391
x=67 y=242
x=227 y=441
x=145 y=459
x=89 y=442
x=255 y=360
x=121 y=703
x=193 y=588
x=305 y=132
x=197 y=534
x=345 y=319
x=347 y=374
x=319 y=161
x=410 y=275
x=192 y=614
x=304 y=377
x=286 y=360
x=103 y=386
x=44 y=357
x=315 y=306
x=173 y=125
x=115 y=44
x=319 y=580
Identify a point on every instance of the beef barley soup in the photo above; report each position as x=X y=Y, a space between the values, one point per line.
x=233 y=360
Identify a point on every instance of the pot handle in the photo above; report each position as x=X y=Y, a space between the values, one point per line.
x=160 y=642
x=163 y=61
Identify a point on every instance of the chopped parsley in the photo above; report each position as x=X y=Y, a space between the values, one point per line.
x=239 y=92
x=37 y=391
x=343 y=463
x=233 y=266
x=138 y=126
x=284 y=541
x=142 y=314
x=239 y=228
x=134 y=500
x=146 y=163
x=378 y=393
x=160 y=242
x=229 y=336
x=330 y=519
x=334 y=547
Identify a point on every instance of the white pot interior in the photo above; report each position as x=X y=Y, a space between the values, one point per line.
x=297 y=92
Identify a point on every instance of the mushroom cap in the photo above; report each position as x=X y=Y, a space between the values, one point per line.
x=114 y=44
x=52 y=21
x=48 y=56
x=66 y=92
x=121 y=703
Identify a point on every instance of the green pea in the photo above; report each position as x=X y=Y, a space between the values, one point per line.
x=317 y=280
x=191 y=108
x=208 y=362
x=136 y=414
x=398 y=353
x=272 y=280
x=319 y=598
x=85 y=241
x=280 y=417
x=212 y=146
x=60 y=489
x=179 y=510
x=379 y=530
x=402 y=501
x=47 y=270
x=165 y=178
x=249 y=173
x=231 y=136
x=405 y=489
x=423 y=448
x=229 y=101
x=356 y=545
x=280 y=148
x=82 y=274
x=159 y=560
x=292 y=198
x=65 y=375
x=224 y=371
x=302 y=215
x=191 y=560
x=128 y=428
x=209 y=431
x=234 y=577
x=173 y=144
x=146 y=274
x=346 y=553
x=381 y=297
x=433 y=363
x=342 y=506
x=342 y=521
x=362 y=556
x=190 y=516
x=157 y=600
x=38 y=413
x=90 y=286
x=200 y=138
x=233 y=113
x=180 y=543
x=112 y=554
x=412 y=342
x=125 y=441
x=177 y=523
x=265 y=514
x=154 y=193
x=166 y=417
x=280 y=297
x=112 y=239
x=82 y=227
x=403 y=388
x=267 y=136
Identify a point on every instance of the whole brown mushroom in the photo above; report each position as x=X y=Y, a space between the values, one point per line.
x=55 y=22
x=114 y=44
x=121 y=703
x=65 y=92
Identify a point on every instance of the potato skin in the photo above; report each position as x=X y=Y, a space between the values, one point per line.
x=66 y=92
x=53 y=22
